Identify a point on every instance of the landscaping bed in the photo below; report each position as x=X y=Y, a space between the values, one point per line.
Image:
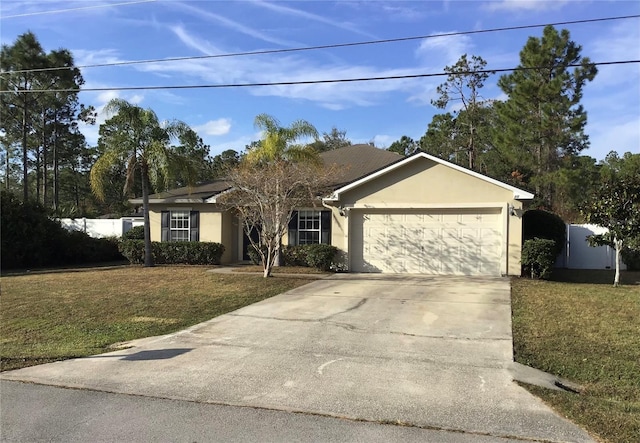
x=60 y=315
x=588 y=333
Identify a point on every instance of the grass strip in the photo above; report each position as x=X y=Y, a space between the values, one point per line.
x=588 y=333
x=60 y=315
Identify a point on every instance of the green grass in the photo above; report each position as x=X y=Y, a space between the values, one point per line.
x=588 y=333
x=280 y=270
x=64 y=314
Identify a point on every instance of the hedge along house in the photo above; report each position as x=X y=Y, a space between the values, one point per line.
x=391 y=214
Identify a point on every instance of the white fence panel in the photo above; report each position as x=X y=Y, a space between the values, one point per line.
x=99 y=227
x=577 y=254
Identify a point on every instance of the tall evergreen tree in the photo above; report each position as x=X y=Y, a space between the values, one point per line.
x=19 y=107
x=44 y=123
x=542 y=120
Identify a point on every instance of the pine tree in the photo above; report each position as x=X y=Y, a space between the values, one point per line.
x=542 y=120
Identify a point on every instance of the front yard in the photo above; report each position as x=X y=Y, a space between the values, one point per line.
x=588 y=333
x=58 y=315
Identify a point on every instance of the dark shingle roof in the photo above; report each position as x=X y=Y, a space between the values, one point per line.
x=357 y=161
x=353 y=163
x=202 y=191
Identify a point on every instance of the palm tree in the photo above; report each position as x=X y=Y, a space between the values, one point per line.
x=279 y=143
x=134 y=136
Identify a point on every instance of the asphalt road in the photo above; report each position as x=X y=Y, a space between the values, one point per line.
x=31 y=413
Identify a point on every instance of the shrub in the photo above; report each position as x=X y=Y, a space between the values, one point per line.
x=173 y=253
x=133 y=250
x=31 y=239
x=320 y=256
x=294 y=255
x=312 y=256
x=254 y=256
x=538 y=257
x=537 y=223
x=631 y=258
x=135 y=233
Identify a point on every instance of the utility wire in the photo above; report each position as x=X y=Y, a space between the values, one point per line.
x=337 y=45
x=29 y=14
x=313 y=82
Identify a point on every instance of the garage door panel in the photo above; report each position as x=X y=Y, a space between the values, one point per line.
x=458 y=242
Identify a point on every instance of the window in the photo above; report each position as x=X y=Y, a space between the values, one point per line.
x=310 y=227
x=180 y=225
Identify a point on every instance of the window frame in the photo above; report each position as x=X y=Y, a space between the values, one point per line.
x=185 y=220
x=315 y=215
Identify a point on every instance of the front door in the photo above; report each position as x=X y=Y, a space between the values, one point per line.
x=246 y=244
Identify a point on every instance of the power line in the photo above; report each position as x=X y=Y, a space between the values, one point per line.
x=29 y=14
x=331 y=46
x=313 y=82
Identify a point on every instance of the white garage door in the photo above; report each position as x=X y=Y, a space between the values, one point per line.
x=447 y=242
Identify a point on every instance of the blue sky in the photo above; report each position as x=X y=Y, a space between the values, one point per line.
x=382 y=111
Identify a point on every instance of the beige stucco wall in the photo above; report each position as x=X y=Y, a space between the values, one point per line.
x=427 y=184
x=215 y=226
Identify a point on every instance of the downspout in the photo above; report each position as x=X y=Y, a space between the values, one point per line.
x=344 y=213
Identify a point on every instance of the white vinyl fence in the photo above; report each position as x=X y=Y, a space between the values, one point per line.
x=577 y=254
x=102 y=227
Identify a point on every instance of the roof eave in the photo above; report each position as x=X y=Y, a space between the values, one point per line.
x=518 y=194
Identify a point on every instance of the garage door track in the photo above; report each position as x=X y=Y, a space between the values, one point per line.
x=426 y=351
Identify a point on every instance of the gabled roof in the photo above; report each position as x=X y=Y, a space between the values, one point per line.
x=353 y=162
x=357 y=161
x=518 y=194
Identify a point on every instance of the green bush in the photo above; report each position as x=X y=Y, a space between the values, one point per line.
x=135 y=233
x=173 y=253
x=294 y=255
x=31 y=239
x=631 y=258
x=538 y=257
x=133 y=250
x=254 y=256
x=320 y=256
x=312 y=256
x=537 y=223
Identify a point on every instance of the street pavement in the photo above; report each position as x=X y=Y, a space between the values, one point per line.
x=350 y=354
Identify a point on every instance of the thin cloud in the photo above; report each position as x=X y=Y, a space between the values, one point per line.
x=220 y=126
x=231 y=24
x=285 y=68
x=199 y=45
x=310 y=16
x=526 y=5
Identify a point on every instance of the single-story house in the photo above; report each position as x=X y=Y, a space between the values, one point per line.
x=392 y=214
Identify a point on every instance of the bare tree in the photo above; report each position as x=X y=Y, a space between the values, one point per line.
x=264 y=196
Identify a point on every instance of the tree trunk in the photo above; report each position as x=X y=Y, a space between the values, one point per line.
x=618 y=245
x=268 y=262
x=7 y=168
x=56 y=186
x=45 y=187
x=148 y=256
x=38 y=181
x=25 y=170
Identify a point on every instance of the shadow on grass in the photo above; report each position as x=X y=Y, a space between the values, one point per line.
x=595 y=276
x=67 y=268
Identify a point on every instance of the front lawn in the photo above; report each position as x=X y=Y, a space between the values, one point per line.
x=588 y=333
x=58 y=315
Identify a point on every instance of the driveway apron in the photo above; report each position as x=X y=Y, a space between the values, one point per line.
x=416 y=350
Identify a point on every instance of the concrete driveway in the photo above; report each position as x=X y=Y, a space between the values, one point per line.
x=432 y=352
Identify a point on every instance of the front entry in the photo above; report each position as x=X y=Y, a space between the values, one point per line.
x=246 y=243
